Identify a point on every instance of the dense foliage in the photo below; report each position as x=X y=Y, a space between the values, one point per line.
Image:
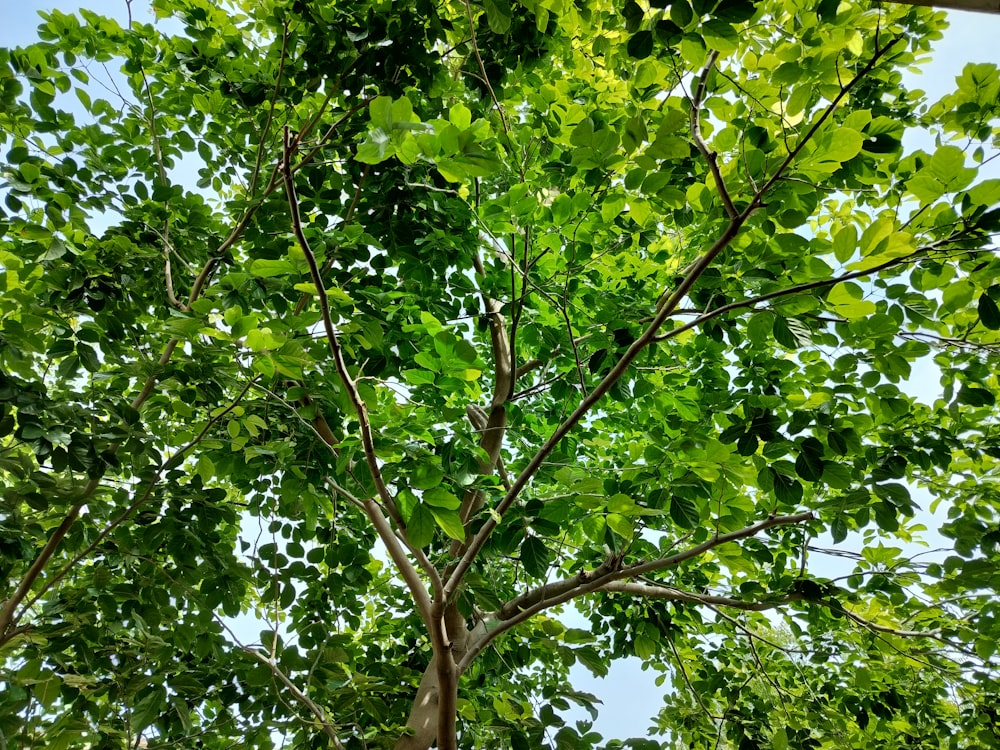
x=414 y=335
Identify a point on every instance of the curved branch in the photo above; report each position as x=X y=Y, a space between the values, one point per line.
x=710 y=156
x=405 y=567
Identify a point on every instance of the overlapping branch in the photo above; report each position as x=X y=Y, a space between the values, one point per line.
x=665 y=310
x=612 y=576
x=9 y=607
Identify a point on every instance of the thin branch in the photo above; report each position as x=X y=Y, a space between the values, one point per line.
x=314 y=708
x=331 y=445
x=687 y=681
x=304 y=299
x=171 y=462
x=482 y=68
x=710 y=156
x=659 y=591
x=799 y=289
x=869 y=625
x=255 y=175
x=328 y=727
x=829 y=110
x=406 y=568
x=549 y=595
x=588 y=402
x=431 y=612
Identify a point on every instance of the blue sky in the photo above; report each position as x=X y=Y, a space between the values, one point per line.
x=630 y=696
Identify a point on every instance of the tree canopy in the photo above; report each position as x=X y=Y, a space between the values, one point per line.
x=453 y=344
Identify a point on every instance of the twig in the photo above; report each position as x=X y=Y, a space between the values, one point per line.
x=710 y=156
x=174 y=460
x=482 y=68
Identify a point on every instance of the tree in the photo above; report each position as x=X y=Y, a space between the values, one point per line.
x=400 y=330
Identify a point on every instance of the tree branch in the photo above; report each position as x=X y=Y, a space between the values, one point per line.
x=47 y=552
x=546 y=596
x=788 y=292
x=710 y=156
x=482 y=68
x=315 y=709
x=432 y=612
x=660 y=591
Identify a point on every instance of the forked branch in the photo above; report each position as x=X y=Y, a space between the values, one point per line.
x=664 y=311
x=610 y=576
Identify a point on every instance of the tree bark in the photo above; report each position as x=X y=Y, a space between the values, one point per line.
x=423 y=719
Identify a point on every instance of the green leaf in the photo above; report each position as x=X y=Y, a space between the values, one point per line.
x=450 y=523
x=640 y=46
x=620 y=525
x=760 y=326
x=846 y=299
x=681 y=13
x=789 y=332
x=147 y=709
x=976 y=396
x=535 y=557
x=420 y=527
x=838 y=529
x=684 y=512
x=787 y=490
x=439 y=497
x=268 y=268
x=989 y=313
x=809 y=463
x=498 y=15
x=426 y=474
x=88 y=356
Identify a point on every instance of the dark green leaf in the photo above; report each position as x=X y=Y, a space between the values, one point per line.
x=640 y=46
x=989 y=313
x=684 y=512
x=535 y=556
x=976 y=396
x=787 y=490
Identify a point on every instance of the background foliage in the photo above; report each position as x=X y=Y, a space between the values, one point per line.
x=621 y=304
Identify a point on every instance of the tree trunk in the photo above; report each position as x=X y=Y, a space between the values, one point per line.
x=424 y=713
x=423 y=719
